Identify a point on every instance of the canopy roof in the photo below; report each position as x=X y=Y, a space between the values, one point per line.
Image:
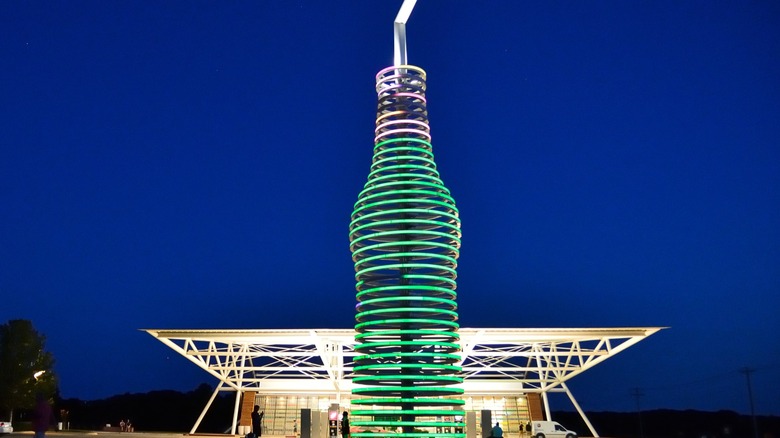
x=495 y=361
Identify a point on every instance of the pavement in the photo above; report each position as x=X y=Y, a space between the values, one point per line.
x=101 y=434
x=108 y=434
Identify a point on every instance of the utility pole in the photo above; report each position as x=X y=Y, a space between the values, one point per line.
x=747 y=372
x=637 y=394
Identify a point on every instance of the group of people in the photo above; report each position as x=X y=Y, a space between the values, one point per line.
x=125 y=426
x=497 y=432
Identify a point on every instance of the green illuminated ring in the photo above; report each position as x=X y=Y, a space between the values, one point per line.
x=390 y=401
x=407 y=423
x=384 y=172
x=432 y=234
x=383 y=290
x=417 y=211
x=404 y=140
x=408 y=354
x=450 y=313
x=448 y=334
x=362 y=326
x=426 y=412
x=423 y=343
x=418 y=379
x=423 y=366
x=433 y=203
x=413 y=391
x=419 y=185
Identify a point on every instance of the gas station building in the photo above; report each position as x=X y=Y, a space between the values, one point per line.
x=509 y=372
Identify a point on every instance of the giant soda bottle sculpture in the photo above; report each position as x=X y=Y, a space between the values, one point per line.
x=405 y=236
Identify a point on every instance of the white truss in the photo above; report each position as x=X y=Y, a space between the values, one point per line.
x=496 y=361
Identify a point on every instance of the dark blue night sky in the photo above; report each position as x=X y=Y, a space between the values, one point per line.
x=191 y=164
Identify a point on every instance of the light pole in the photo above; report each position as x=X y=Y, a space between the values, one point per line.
x=747 y=372
x=637 y=393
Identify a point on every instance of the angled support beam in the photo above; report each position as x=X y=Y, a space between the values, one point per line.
x=581 y=412
x=205 y=409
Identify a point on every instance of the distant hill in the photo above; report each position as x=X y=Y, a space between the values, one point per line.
x=162 y=411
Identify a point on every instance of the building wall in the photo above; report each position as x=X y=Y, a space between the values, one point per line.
x=535 y=409
x=282 y=413
x=247 y=406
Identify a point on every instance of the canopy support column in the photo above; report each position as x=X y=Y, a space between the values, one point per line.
x=235 y=411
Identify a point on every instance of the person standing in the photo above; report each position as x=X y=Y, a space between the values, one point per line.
x=345 y=425
x=42 y=416
x=257 y=421
x=497 y=432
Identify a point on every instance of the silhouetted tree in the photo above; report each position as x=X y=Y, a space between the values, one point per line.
x=26 y=369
